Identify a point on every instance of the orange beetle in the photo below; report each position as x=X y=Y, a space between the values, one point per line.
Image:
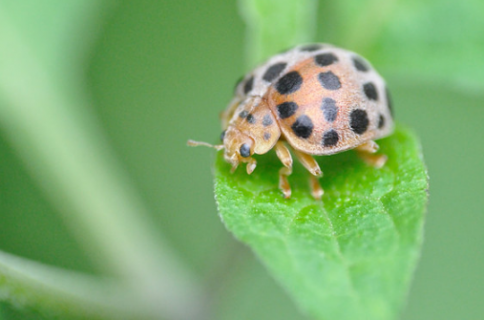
x=316 y=98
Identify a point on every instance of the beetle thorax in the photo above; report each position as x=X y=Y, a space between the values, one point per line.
x=254 y=124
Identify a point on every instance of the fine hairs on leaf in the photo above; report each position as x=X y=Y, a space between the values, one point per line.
x=350 y=256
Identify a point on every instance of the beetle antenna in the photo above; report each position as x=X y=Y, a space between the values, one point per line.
x=193 y=143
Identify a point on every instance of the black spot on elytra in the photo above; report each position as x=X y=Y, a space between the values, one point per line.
x=244 y=150
x=250 y=119
x=325 y=59
x=370 y=91
x=222 y=135
x=302 y=127
x=289 y=83
x=249 y=84
x=329 y=80
x=267 y=120
x=359 y=121
x=360 y=65
x=267 y=136
x=381 y=122
x=330 y=110
x=286 y=109
x=274 y=71
x=243 y=114
x=330 y=138
x=311 y=47
x=389 y=101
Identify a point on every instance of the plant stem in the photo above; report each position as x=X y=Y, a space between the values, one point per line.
x=47 y=119
x=275 y=25
x=63 y=293
x=369 y=24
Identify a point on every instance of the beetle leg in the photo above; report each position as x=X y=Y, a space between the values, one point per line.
x=366 y=152
x=285 y=156
x=251 y=164
x=309 y=163
x=313 y=167
x=316 y=190
x=370 y=147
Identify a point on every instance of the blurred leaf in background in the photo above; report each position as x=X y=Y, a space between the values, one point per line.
x=30 y=226
x=161 y=72
x=45 y=115
x=436 y=42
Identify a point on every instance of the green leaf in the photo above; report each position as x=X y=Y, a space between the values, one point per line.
x=350 y=256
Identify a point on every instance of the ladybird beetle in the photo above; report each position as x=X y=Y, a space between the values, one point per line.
x=316 y=99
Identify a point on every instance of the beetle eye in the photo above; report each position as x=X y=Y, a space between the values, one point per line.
x=245 y=150
x=222 y=135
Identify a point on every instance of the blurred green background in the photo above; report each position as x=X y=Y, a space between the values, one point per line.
x=159 y=73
